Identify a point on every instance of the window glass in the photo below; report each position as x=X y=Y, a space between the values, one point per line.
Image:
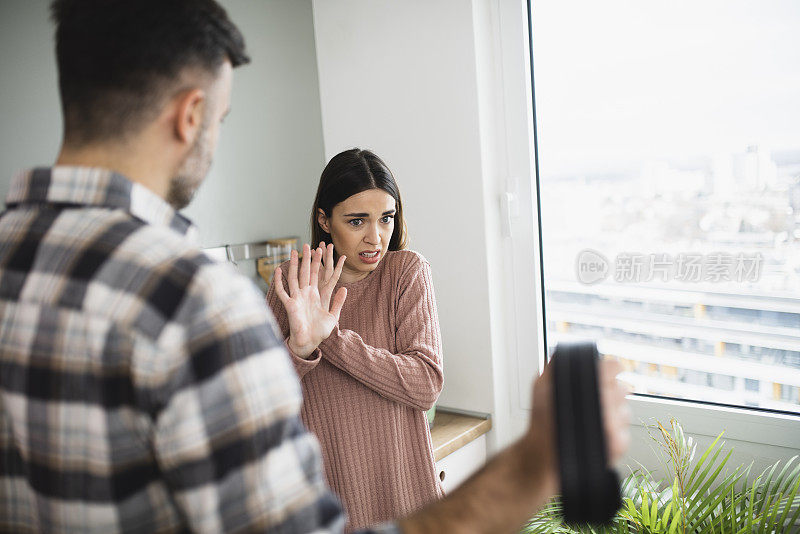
x=668 y=139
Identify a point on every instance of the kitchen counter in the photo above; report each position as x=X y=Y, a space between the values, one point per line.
x=452 y=431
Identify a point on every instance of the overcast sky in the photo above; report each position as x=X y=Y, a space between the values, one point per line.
x=619 y=82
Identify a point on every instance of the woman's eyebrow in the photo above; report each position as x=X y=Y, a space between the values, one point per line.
x=390 y=212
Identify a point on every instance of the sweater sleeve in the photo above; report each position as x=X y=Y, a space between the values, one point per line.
x=301 y=365
x=413 y=376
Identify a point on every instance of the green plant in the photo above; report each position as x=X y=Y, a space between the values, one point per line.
x=703 y=496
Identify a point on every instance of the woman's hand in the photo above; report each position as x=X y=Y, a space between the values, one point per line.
x=309 y=309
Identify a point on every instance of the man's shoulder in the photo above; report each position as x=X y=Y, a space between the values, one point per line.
x=139 y=274
x=201 y=286
x=218 y=286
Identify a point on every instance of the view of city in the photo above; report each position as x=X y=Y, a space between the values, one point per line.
x=712 y=336
x=671 y=222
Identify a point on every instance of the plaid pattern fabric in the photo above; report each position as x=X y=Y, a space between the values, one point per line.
x=142 y=385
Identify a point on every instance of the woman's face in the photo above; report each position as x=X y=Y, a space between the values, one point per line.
x=361 y=227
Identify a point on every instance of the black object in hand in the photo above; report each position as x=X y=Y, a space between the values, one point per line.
x=590 y=490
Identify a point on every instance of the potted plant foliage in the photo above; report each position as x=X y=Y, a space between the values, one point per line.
x=702 y=496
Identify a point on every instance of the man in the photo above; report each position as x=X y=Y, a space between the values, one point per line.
x=142 y=386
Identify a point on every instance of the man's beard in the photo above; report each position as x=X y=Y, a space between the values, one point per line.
x=193 y=170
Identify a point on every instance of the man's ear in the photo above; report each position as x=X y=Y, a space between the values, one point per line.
x=322 y=220
x=189 y=115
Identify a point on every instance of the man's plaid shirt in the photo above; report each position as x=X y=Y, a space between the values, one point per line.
x=142 y=385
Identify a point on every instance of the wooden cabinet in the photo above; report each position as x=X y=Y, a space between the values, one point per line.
x=457 y=466
x=459 y=445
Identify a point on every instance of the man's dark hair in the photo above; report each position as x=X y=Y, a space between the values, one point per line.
x=119 y=59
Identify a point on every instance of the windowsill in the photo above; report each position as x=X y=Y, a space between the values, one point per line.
x=452 y=430
x=740 y=424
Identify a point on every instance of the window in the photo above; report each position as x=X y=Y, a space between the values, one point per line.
x=751 y=385
x=668 y=147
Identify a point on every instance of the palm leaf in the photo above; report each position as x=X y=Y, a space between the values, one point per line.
x=701 y=497
x=703 y=458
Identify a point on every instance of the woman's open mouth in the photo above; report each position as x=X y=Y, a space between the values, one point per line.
x=372 y=256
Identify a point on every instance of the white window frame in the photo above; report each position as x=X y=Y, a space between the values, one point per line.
x=527 y=324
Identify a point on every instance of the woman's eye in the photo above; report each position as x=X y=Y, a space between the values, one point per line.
x=356 y=222
x=387 y=219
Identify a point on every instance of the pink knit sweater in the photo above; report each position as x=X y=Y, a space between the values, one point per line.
x=367 y=386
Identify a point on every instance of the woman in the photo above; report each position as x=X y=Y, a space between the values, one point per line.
x=368 y=380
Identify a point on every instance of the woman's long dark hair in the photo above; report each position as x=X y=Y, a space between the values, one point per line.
x=349 y=173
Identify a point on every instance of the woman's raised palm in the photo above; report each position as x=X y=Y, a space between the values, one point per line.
x=310 y=311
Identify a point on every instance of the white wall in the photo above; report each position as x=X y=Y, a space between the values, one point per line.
x=400 y=78
x=428 y=86
x=439 y=90
x=270 y=155
x=30 y=116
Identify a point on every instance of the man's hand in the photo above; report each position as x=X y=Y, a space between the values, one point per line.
x=541 y=434
x=615 y=409
x=523 y=477
x=309 y=309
